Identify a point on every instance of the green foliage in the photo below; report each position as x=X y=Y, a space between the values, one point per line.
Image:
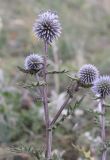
x=31 y=150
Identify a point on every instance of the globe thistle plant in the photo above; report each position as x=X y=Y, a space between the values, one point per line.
x=33 y=62
x=101 y=86
x=87 y=75
x=47 y=26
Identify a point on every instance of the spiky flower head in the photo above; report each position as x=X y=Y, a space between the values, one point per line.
x=33 y=62
x=101 y=86
x=47 y=26
x=87 y=75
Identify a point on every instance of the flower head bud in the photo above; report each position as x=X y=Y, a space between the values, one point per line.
x=87 y=75
x=47 y=26
x=101 y=86
x=33 y=62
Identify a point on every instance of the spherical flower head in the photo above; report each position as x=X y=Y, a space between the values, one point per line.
x=101 y=86
x=47 y=26
x=33 y=62
x=87 y=75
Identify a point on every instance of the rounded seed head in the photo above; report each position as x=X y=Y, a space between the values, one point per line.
x=88 y=74
x=47 y=26
x=101 y=86
x=33 y=62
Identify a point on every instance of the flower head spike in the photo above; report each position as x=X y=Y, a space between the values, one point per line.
x=47 y=26
x=87 y=75
x=101 y=86
x=33 y=62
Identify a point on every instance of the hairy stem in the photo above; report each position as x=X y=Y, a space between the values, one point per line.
x=60 y=111
x=46 y=111
x=101 y=108
x=66 y=102
x=56 y=66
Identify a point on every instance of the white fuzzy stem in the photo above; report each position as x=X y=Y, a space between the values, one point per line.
x=101 y=108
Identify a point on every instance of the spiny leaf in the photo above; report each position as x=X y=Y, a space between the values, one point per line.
x=106 y=105
x=94 y=113
x=32 y=85
x=32 y=71
x=75 y=78
x=96 y=98
x=57 y=72
x=31 y=150
x=77 y=104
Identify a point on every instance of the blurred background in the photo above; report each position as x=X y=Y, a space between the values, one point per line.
x=85 y=38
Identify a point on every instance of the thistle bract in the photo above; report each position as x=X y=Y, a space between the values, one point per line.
x=88 y=74
x=101 y=86
x=33 y=62
x=47 y=26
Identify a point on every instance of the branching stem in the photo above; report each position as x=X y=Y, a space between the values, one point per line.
x=60 y=111
x=71 y=90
